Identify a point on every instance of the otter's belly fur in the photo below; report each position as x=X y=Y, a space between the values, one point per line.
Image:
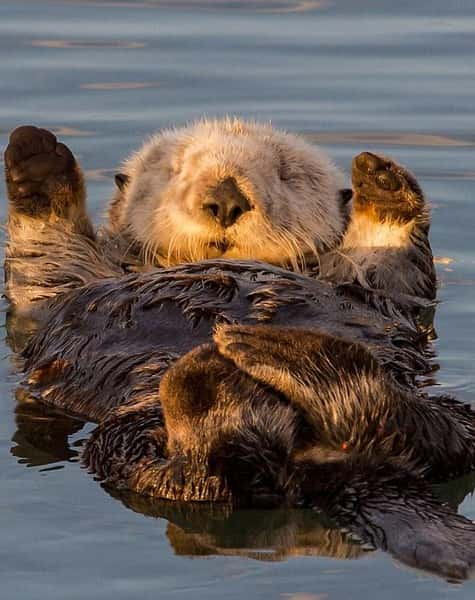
x=152 y=319
x=238 y=381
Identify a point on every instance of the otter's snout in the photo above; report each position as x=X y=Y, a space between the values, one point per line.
x=226 y=203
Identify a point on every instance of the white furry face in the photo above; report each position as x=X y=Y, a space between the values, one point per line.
x=231 y=189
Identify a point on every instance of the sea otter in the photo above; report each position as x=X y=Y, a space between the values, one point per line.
x=276 y=388
x=215 y=189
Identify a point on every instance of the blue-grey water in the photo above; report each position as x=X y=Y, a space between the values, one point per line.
x=392 y=77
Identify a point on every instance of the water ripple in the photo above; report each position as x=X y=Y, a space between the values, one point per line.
x=119 y=85
x=386 y=138
x=260 y=6
x=73 y=44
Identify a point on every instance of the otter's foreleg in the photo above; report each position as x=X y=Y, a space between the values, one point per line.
x=51 y=245
x=386 y=245
x=349 y=401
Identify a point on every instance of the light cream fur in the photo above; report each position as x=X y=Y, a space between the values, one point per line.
x=292 y=187
x=366 y=232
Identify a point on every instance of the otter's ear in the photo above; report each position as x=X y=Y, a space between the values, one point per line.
x=121 y=181
x=346 y=195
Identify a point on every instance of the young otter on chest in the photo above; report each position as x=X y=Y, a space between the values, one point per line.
x=319 y=407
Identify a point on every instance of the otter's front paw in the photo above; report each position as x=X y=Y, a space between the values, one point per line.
x=41 y=174
x=385 y=190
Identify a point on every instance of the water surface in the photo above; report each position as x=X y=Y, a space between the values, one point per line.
x=378 y=75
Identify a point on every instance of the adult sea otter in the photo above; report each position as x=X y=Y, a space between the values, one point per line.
x=276 y=388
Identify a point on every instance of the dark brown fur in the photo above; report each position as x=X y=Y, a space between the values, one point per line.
x=386 y=244
x=325 y=413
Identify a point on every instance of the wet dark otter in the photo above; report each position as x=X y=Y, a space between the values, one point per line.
x=322 y=413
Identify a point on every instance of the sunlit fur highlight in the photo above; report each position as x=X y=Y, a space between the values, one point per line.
x=293 y=189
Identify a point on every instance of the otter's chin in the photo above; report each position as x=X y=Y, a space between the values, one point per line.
x=196 y=249
x=221 y=246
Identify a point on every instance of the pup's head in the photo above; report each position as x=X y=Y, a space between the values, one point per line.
x=230 y=189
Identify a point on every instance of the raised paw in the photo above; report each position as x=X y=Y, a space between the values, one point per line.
x=42 y=175
x=385 y=190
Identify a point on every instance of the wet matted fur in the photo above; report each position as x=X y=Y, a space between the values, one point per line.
x=313 y=397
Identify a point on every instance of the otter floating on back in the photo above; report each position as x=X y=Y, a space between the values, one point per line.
x=305 y=393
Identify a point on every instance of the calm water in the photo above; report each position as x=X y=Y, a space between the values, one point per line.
x=351 y=75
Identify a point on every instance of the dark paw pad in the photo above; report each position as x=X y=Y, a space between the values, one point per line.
x=36 y=164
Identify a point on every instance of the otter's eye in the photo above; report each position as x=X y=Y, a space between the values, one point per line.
x=388 y=181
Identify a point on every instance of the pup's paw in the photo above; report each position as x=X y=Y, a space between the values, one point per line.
x=385 y=190
x=41 y=173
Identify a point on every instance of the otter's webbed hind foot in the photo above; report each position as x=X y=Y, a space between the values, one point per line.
x=330 y=381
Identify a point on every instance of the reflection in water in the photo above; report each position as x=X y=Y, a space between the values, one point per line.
x=194 y=529
x=42 y=435
x=201 y=529
x=207 y=529
x=443 y=260
x=19 y=329
x=455 y=492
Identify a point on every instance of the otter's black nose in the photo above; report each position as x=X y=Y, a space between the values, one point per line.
x=226 y=203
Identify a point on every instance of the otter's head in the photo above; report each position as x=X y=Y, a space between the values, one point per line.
x=230 y=189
